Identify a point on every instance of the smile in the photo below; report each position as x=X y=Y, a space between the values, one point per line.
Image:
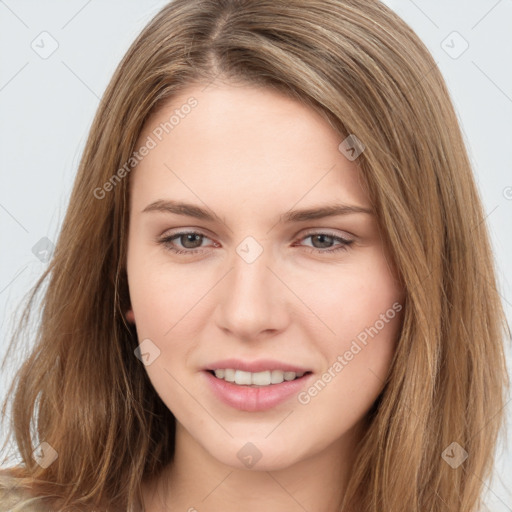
x=255 y=397
x=264 y=378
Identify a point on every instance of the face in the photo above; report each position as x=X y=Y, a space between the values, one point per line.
x=225 y=274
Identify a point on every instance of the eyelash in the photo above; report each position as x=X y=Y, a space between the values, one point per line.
x=166 y=242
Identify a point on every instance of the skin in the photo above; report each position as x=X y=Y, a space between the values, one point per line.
x=250 y=155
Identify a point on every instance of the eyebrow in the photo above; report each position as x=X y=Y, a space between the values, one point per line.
x=313 y=213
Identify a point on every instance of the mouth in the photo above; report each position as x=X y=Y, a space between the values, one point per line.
x=258 y=391
x=263 y=379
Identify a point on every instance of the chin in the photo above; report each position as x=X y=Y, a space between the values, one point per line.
x=257 y=454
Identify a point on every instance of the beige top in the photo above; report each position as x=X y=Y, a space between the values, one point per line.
x=14 y=499
x=11 y=499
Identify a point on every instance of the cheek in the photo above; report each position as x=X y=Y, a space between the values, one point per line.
x=362 y=309
x=353 y=297
x=162 y=299
x=161 y=294
x=355 y=370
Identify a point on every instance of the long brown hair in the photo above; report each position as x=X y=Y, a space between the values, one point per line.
x=82 y=390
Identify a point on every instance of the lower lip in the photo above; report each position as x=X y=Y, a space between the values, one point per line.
x=254 y=399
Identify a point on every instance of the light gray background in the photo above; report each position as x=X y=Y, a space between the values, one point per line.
x=47 y=106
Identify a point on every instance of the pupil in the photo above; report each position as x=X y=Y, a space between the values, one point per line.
x=329 y=239
x=191 y=238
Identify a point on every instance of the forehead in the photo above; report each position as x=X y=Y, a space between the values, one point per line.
x=241 y=144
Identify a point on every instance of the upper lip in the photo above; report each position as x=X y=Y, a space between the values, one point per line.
x=260 y=365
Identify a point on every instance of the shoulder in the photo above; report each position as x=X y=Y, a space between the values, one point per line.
x=14 y=498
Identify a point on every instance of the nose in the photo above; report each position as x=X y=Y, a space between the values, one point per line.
x=253 y=302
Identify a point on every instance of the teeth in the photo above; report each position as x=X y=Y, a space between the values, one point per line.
x=277 y=377
x=244 y=378
x=229 y=375
x=256 y=379
x=260 y=378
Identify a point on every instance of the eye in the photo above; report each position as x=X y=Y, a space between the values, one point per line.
x=325 y=241
x=191 y=242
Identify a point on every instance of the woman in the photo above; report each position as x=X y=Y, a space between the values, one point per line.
x=273 y=287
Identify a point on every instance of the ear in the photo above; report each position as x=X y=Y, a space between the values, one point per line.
x=130 y=316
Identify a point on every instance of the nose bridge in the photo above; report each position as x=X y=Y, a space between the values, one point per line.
x=250 y=299
x=250 y=280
